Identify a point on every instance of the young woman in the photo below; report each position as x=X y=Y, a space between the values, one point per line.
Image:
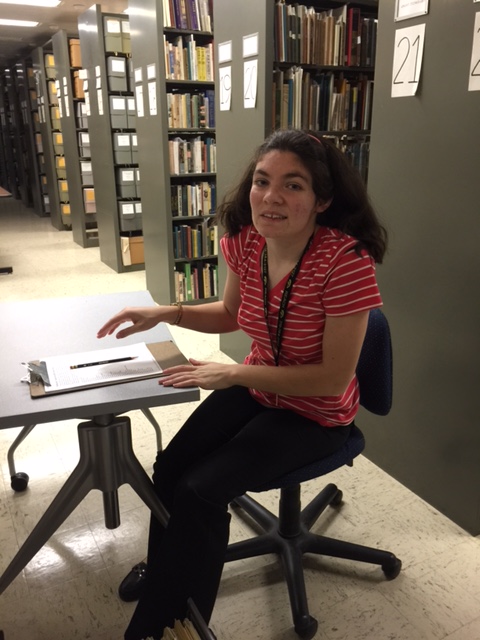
x=301 y=244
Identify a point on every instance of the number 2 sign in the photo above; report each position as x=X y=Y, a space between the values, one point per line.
x=474 y=80
x=250 y=71
x=407 y=60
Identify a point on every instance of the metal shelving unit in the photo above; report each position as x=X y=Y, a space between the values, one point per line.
x=84 y=225
x=46 y=97
x=165 y=268
x=101 y=129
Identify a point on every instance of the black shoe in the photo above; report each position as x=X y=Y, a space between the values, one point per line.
x=132 y=585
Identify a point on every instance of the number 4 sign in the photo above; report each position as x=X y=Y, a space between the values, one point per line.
x=474 y=80
x=407 y=60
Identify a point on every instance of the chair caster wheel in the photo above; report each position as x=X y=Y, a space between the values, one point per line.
x=337 y=501
x=19 y=482
x=392 y=569
x=306 y=627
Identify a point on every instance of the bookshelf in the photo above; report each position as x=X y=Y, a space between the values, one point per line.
x=70 y=110
x=10 y=167
x=16 y=89
x=4 y=178
x=49 y=141
x=323 y=73
x=243 y=129
x=29 y=106
x=177 y=146
x=110 y=142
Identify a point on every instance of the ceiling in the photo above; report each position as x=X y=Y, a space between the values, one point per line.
x=17 y=42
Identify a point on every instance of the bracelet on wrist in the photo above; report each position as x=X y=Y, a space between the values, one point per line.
x=179 y=312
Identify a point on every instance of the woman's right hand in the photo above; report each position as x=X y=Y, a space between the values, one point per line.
x=142 y=319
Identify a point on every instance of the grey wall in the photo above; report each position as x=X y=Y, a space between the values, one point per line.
x=423 y=178
x=240 y=130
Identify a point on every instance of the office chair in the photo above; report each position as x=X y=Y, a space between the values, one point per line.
x=19 y=479
x=289 y=534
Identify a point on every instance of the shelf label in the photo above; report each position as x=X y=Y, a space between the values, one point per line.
x=250 y=45
x=117 y=65
x=151 y=71
x=474 y=79
x=100 y=102
x=407 y=60
x=152 y=98
x=139 y=100
x=250 y=76
x=405 y=9
x=225 y=77
x=224 y=51
x=88 y=111
x=112 y=26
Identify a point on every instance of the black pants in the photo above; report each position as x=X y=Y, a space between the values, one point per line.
x=230 y=444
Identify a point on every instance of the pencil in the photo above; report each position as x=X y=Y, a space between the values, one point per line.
x=96 y=364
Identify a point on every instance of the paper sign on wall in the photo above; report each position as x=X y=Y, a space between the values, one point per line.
x=151 y=71
x=225 y=78
x=250 y=83
x=407 y=60
x=410 y=8
x=100 y=102
x=250 y=45
x=152 y=98
x=225 y=52
x=139 y=100
x=474 y=78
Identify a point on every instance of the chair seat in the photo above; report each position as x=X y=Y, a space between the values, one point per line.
x=354 y=445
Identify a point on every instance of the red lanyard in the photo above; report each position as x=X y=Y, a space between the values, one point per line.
x=282 y=311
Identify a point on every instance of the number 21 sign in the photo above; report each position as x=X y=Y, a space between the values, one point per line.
x=407 y=60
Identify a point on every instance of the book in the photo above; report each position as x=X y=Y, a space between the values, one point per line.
x=183 y=14
x=353 y=36
x=192 y=17
x=102 y=367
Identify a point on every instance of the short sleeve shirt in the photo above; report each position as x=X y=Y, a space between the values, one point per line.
x=333 y=280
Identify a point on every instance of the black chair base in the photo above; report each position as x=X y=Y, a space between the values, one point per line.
x=289 y=536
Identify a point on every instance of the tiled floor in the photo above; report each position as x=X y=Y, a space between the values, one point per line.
x=69 y=589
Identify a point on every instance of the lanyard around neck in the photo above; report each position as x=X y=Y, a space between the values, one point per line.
x=282 y=311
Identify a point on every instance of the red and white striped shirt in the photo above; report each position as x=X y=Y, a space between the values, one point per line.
x=333 y=280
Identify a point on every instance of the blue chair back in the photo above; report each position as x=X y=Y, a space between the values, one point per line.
x=374 y=369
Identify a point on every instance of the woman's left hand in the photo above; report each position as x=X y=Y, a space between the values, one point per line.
x=206 y=375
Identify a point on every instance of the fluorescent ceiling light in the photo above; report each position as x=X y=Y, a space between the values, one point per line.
x=33 y=3
x=18 y=23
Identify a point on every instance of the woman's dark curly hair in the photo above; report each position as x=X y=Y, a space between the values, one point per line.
x=333 y=177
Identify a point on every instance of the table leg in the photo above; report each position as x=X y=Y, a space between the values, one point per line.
x=78 y=484
x=106 y=462
x=18 y=441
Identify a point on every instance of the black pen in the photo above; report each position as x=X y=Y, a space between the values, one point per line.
x=95 y=364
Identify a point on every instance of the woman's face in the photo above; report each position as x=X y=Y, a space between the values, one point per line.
x=283 y=203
